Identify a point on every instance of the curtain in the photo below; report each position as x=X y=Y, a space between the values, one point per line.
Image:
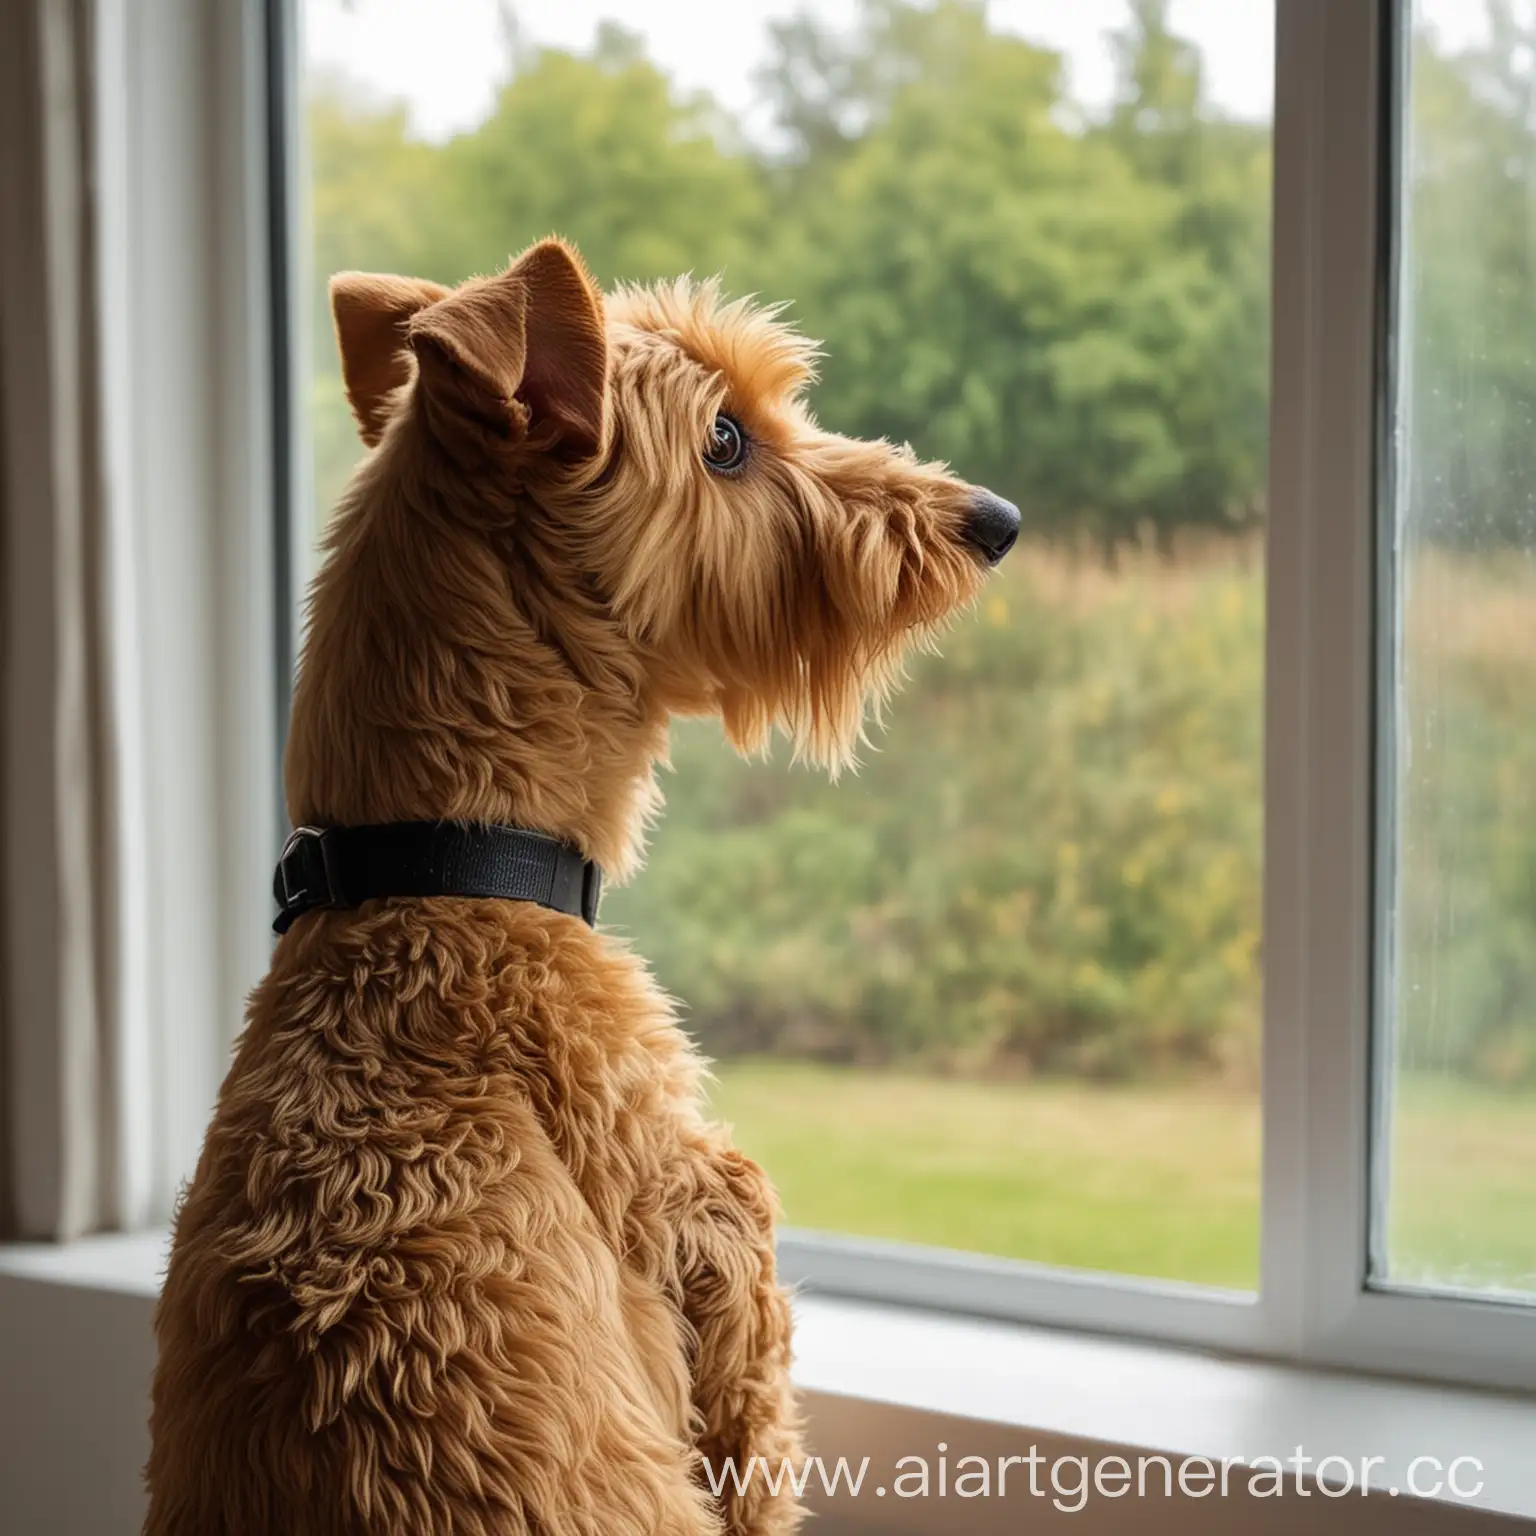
x=60 y=992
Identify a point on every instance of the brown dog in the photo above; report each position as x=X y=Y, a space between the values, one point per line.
x=461 y=1254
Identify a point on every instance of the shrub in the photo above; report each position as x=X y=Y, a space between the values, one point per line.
x=1052 y=861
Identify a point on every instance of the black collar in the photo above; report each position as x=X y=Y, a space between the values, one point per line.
x=343 y=866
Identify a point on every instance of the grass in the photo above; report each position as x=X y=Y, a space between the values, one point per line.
x=1463 y=1206
x=1141 y=1181
x=1154 y=1181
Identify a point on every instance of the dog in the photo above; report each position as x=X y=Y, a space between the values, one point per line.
x=462 y=1254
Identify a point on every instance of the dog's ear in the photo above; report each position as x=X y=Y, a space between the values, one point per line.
x=371 y=313
x=525 y=350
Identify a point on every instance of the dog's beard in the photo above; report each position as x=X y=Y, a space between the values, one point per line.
x=860 y=609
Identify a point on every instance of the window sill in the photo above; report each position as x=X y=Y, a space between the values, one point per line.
x=129 y=1264
x=882 y=1382
x=990 y=1385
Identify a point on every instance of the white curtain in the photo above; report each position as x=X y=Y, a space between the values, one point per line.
x=63 y=1004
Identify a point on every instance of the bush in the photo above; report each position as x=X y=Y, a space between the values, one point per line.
x=1467 y=786
x=1052 y=862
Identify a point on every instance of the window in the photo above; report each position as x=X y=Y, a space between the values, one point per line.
x=1457 y=1171
x=1000 y=991
x=1165 y=968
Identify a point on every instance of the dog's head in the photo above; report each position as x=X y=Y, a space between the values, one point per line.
x=653 y=456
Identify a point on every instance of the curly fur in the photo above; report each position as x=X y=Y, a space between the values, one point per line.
x=461 y=1254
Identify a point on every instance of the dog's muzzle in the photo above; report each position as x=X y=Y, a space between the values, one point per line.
x=992 y=526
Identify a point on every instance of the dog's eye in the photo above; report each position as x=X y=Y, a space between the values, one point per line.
x=726 y=450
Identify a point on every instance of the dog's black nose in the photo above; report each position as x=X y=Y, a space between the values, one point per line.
x=993 y=526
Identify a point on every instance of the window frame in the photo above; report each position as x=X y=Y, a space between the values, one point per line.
x=1339 y=80
x=1341 y=75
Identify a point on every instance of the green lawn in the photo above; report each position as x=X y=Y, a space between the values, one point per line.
x=1156 y=1181
x=1144 y=1181
x=1463 y=1210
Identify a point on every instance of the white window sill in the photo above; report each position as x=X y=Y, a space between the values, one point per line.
x=889 y=1382
x=1157 y=1399
x=131 y=1264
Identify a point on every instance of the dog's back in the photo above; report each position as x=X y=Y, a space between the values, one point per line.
x=426 y=1277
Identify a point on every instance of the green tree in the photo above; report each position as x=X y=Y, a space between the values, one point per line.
x=372 y=190
x=1219 y=170
x=602 y=149
x=1019 y=297
x=597 y=147
x=1157 y=117
x=1469 y=287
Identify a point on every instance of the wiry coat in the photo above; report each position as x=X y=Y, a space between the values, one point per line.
x=461 y=1254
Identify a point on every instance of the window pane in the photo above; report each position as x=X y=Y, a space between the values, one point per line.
x=1458 y=1174
x=1000 y=990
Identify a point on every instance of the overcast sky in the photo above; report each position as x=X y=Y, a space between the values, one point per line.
x=443 y=57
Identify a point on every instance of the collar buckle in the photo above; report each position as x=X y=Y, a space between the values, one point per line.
x=306 y=873
x=591 y=891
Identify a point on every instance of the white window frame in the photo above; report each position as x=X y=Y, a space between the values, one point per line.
x=1333 y=137
x=1340 y=70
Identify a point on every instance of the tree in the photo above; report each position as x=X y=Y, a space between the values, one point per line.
x=601 y=149
x=1219 y=169
x=371 y=207
x=1469 y=288
x=597 y=147
x=1158 y=111
x=1024 y=300
x=1075 y=316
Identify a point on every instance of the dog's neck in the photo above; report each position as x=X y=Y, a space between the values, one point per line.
x=452 y=671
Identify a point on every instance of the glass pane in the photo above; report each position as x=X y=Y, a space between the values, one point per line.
x=1000 y=990
x=1458 y=1170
